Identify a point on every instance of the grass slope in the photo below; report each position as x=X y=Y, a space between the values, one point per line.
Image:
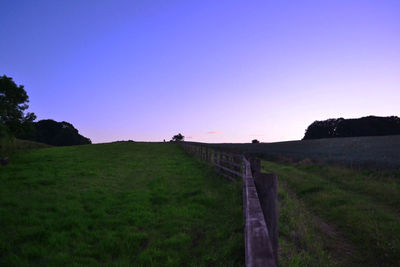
x=117 y=204
x=363 y=206
x=26 y=144
x=11 y=145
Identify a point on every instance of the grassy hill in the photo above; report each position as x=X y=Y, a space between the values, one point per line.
x=117 y=204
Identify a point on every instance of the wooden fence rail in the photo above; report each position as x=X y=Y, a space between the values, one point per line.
x=259 y=201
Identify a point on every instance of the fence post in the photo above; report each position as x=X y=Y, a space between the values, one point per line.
x=255 y=164
x=267 y=189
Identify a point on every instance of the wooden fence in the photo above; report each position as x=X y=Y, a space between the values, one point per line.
x=259 y=200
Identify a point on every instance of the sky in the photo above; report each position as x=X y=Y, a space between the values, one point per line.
x=215 y=71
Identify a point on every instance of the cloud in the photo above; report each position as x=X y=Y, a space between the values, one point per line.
x=214 y=132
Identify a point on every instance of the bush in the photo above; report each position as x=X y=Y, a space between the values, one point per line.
x=7 y=142
x=58 y=134
x=178 y=137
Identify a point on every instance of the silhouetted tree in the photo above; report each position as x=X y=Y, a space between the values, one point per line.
x=13 y=103
x=178 y=137
x=322 y=129
x=366 y=126
x=255 y=141
x=58 y=134
x=369 y=126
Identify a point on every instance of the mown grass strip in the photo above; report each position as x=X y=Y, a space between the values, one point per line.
x=300 y=241
x=372 y=227
x=381 y=186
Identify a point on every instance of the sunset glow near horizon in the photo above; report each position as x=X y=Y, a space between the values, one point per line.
x=215 y=71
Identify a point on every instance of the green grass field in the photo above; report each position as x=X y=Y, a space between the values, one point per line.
x=151 y=204
x=117 y=204
x=336 y=216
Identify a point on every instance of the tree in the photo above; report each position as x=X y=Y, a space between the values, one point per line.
x=323 y=129
x=58 y=134
x=178 y=137
x=365 y=126
x=255 y=141
x=13 y=103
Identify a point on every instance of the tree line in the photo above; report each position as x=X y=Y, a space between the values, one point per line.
x=15 y=122
x=365 y=126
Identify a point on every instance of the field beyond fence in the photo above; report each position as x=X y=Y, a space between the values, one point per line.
x=381 y=152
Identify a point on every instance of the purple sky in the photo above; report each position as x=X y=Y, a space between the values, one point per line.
x=216 y=71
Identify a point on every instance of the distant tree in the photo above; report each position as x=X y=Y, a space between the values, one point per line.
x=365 y=126
x=178 y=137
x=13 y=103
x=255 y=141
x=58 y=134
x=369 y=126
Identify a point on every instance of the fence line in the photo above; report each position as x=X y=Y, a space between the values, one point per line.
x=259 y=201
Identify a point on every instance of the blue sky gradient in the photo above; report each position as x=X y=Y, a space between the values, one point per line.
x=216 y=71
